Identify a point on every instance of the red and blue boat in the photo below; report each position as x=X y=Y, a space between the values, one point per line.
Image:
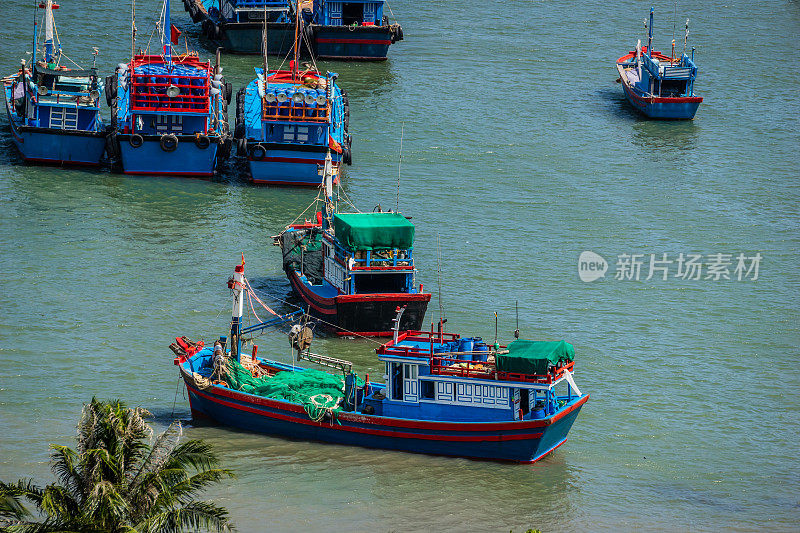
x=54 y=110
x=345 y=30
x=288 y=120
x=443 y=394
x=169 y=110
x=352 y=270
x=657 y=85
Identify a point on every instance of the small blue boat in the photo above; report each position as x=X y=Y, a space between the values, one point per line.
x=658 y=85
x=169 y=116
x=286 y=123
x=349 y=30
x=355 y=29
x=54 y=110
x=443 y=394
x=353 y=270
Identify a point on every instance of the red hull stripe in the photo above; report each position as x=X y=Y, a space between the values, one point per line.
x=383 y=297
x=409 y=424
x=323 y=305
x=354 y=41
x=378 y=432
x=161 y=173
x=60 y=162
x=289 y=160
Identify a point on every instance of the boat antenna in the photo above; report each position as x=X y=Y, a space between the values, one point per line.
x=686 y=36
x=264 y=47
x=439 y=275
x=399 y=162
x=516 y=308
x=133 y=28
x=495 y=327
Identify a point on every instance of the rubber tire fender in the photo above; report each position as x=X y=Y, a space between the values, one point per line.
x=202 y=141
x=168 y=142
x=228 y=91
x=240 y=131
x=111 y=89
x=347 y=152
x=241 y=147
x=136 y=140
x=257 y=152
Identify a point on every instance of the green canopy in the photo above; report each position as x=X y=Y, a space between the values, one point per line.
x=533 y=357
x=373 y=231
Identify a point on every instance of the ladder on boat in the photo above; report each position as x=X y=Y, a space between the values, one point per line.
x=325 y=360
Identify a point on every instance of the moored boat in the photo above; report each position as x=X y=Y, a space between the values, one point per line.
x=346 y=30
x=169 y=110
x=286 y=122
x=353 y=270
x=351 y=29
x=658 y=85
x=236 y=25
x=54 y=110
x=443 y=394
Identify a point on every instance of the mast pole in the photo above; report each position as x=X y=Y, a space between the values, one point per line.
x=650 y=35
x=48 y=31
x=236 y=284
x=296 y=40
x=264 y=48
x=167 y=35
x=133 y=28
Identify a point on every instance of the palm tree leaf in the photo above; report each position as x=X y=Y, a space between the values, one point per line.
x=193 y=517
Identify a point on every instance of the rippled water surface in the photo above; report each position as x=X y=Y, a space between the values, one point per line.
x=519 y=153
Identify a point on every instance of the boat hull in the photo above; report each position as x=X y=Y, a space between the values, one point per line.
x=56 y=147
x=289 y=164
x=187 y=159
x=364 y=314
x=520 y=441
x=677 y=108
x=245 y=38
x=365 y=43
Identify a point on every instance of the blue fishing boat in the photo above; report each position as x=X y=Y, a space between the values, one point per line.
x=236 y=25
x=346 y=30
x=442 y=394
x=351 y=29
x=169 y=110
x=53 y=110
x=353 y=270
x=658 y=85
x=288 y=120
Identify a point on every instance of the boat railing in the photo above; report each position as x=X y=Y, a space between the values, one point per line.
x=149 y=93
x=462 y=364
x=290 y=111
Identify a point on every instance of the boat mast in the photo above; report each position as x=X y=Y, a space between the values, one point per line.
x=650 y=34
x=48 y=31
x=296 y=40
x=167 y=32
x=236 y=285
x=264 y=49
x=327 y=171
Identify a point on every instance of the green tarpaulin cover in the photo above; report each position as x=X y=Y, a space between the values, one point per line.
x=533 y=357
x=373 y=231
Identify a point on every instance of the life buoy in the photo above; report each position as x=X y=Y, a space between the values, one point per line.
x=257 y=152
x=169 y=142
x=136 y=140
x=202 y=141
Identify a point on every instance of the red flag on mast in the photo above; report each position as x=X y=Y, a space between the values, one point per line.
x=174 y=34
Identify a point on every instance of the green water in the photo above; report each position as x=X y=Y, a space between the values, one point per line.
x=519 y=153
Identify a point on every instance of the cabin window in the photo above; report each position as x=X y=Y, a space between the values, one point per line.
x=352 y=13
x=370 y=283
x=426 y=390
x=397 y=381
x=524 y=402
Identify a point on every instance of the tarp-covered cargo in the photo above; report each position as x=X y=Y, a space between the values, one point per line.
x=373 y=231
x=533 y=357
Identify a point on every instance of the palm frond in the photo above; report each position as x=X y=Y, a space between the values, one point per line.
x=193 y=517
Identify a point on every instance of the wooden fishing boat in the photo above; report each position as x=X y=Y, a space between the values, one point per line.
x=658 y=85
x=346 y=30
x=236 y=25
x=287 y=120
x=354 y=269
x=443 y=394
x=169 y=110
x=53 y=110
